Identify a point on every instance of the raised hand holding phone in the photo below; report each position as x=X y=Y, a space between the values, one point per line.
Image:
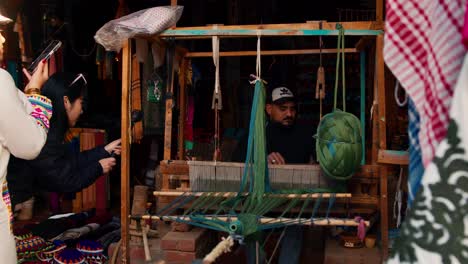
x=39 y=77
x=51 y=48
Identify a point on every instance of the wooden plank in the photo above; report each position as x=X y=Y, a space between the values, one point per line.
x=268 y=52
x=384 y=212
x=393 y=157
x=310 y=25
x=381 y=92
x=168 y=118
x=125 y=155
x=174 y=168
x=176 y=33
x=364 y=200
x=182 y=106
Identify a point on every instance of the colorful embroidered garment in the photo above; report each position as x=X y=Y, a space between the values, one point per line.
x=424 y=50
x=436 y=228
x=42 y=110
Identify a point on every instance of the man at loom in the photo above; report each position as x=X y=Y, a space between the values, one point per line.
x=287 y=143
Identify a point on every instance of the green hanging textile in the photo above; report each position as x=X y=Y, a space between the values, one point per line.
x=338 y=136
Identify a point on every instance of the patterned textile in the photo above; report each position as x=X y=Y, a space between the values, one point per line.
x=424 y=51
x=69 y=256
x=93 y=251
x=26 y=249
x=42 y=110
x=416 y=168
x=436 y=228
x=7 y=201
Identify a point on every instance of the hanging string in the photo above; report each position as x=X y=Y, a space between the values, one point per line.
x=398 y=200
x=258 y=66
x=397 y=100
x=340 y=55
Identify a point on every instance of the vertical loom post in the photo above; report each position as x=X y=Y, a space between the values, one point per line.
x=125 y=155
x=380 y=73
x=379 y=10
x=169 y=104
x=182 y=107
x=363 y=104
x=384 y=211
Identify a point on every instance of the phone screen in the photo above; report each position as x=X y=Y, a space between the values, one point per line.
x=52 y=47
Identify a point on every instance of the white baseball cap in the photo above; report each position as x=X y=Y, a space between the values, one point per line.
x=4 y=20
x=280 y=95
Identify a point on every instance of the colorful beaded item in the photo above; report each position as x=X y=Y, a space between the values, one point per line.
x=69 y=256
x=48 y=255
x=92 y=250
x=42 y=110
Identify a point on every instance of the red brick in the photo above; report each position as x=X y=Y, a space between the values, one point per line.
x=183 y=241
x=173 y=256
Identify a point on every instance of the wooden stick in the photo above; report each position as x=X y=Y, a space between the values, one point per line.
x=267 y=52
x=125 y=155
x=145 y=231
x=267 y=220
x=232 y=194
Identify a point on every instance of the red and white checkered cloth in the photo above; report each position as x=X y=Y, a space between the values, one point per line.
x=423 y=49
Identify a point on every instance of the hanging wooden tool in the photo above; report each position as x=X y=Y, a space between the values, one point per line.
x=217 y=102
x=320 y=86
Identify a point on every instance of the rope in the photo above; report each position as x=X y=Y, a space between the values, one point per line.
x=223 y=247
x=340 y=55
x=397 y=100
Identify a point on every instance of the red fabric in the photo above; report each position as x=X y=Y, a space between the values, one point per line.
x=465 y=27
x=101 y=183
x=423 y=49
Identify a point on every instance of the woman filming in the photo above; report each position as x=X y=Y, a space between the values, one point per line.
x=58 y=168
x=24 y=120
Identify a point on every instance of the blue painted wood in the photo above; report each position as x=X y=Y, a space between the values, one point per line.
x=265 y=32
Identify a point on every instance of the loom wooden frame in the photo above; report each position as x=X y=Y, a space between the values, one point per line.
x=313 y=28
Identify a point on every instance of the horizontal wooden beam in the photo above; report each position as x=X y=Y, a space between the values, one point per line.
x=263 y=220
x=267 y=52
x=361 y=28
x=233 y=194
x=393 y=157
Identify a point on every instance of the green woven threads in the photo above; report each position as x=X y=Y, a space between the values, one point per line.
x=339 y=144
x=339 y=138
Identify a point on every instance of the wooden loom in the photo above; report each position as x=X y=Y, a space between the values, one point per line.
x=370 y=174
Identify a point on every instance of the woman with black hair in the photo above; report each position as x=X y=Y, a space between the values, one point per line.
x=58 y=168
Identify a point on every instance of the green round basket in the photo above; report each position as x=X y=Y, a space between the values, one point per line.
x=339 y=144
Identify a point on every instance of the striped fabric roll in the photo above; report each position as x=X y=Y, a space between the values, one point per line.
x=423 y=49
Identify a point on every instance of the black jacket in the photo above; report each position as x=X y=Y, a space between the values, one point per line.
x=296 y=144
x=58 y=168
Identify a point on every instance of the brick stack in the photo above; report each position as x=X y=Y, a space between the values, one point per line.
x=184 y=247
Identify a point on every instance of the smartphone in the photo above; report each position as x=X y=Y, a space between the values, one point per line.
x=52 y=47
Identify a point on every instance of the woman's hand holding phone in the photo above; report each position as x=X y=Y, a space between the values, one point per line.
x=38 y=78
